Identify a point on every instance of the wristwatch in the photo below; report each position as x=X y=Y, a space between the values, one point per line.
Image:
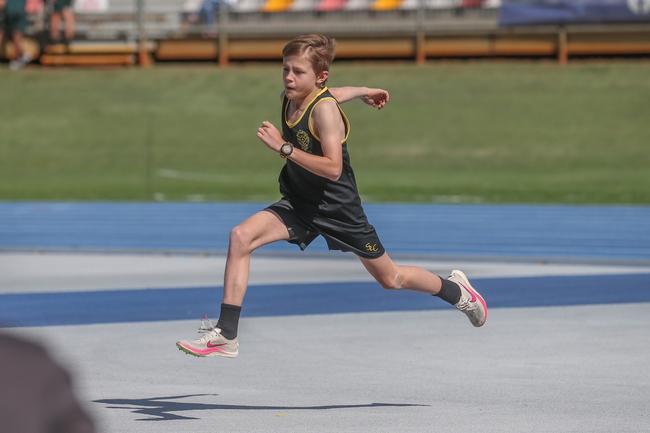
x=286 y=150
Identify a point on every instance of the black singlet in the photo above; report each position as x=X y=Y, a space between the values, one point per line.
x=319 y=205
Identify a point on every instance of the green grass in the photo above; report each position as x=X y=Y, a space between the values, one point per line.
x=456 y=132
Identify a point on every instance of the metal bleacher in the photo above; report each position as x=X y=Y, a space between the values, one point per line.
x=330 y=5
x=273 y=6
x=256 y=29
x=165 y=18
x=248 y=6
x=119 y=21
x=385 y=5
x=304 y=5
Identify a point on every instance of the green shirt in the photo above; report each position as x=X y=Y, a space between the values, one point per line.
x=14 y=6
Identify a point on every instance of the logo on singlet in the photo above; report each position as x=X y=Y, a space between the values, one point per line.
x=371 y=248
x=303 y=140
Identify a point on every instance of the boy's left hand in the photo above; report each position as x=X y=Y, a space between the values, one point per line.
x=376 y=98
x=270 y=136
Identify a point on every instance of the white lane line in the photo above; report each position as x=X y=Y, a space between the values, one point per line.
x=33 y=272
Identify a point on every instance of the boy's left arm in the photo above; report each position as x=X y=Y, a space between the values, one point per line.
x=376 y=98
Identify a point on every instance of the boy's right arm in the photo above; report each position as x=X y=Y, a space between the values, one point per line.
x=376 y=98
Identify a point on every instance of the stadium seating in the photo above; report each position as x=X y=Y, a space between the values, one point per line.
x=356 y=5
x=277 y=5
x=304 y=5
x=245 y=6
x=442 y=4
x=410 y=4
x=166 y=16
x=118 y=21
x=257 y=29
x=330 y=5
x=386 y=5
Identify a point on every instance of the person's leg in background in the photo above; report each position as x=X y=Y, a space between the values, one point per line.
x=69 y=22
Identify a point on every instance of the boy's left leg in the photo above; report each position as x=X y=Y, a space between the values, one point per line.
x=456 y=289
x=69 y=21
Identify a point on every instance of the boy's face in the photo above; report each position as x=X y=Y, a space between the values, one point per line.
x=299 y=77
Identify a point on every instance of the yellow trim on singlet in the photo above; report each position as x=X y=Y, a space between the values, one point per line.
x=291 y=125
x=346 y=122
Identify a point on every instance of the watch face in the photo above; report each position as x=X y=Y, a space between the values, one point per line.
x=286 y=149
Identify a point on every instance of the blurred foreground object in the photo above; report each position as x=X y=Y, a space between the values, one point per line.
x=36 y=395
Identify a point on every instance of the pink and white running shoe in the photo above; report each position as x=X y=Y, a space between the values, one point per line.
x=471 y=302
x=212 y=343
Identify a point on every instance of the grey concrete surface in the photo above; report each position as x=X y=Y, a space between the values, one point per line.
x=54 y=272
x=572 y=369
x=560 y=369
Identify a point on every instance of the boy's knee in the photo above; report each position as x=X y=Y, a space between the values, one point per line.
x=392 y=282
x=240 y=239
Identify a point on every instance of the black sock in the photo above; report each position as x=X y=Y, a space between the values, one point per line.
x=449 y=292
x=229 y=320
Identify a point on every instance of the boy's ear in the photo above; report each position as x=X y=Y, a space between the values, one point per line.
x=322 y=77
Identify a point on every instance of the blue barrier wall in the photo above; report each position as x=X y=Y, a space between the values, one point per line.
x=530 y=12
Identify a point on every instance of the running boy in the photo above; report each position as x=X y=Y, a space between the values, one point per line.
x=319 y=197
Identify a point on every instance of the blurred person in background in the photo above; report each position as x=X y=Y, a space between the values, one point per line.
x=36 y=394
x=190 y=12
x=208 y=12
x=204 y=13
x=472 y=4
x=62 y=11
x=201 y=14
x=13 y=22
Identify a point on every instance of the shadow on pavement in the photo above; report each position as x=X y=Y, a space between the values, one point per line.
x=161 y=408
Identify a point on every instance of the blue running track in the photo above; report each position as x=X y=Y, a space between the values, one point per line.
x=472 y=231
x=42 y=309
x=507 y=231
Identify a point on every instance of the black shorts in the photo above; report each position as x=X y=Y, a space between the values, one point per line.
x=59 y=5
x=12 y=21
x=304 y=226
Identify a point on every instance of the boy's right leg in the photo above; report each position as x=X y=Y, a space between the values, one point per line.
x=55 y=27
x=258 y=230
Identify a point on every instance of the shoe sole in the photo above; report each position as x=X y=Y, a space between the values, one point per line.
x=470 y=288
x=211 y=354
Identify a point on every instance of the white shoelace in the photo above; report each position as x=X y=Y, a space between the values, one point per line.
x=210 y=335
x=464 y=305
x=207 y=325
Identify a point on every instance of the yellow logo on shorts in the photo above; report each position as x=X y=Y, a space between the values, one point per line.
x=371 y=248
x=303 y=140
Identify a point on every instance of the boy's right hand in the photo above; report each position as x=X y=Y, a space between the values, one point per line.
x=270 y=135
x=376 y=98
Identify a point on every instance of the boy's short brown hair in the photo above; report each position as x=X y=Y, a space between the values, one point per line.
x=318 y=48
